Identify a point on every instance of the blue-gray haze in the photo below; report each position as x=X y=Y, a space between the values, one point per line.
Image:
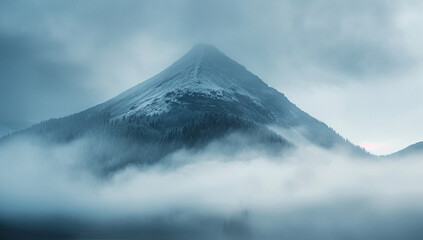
x=355 y=65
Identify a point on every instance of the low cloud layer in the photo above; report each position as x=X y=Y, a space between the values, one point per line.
x=309 y=193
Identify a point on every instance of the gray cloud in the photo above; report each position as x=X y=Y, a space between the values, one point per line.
x=37 y=80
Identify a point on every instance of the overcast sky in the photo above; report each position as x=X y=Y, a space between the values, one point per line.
x=356 y=65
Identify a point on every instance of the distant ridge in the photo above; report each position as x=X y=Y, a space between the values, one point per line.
x=414 y=149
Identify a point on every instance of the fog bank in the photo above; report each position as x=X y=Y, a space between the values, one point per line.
x=306 y=194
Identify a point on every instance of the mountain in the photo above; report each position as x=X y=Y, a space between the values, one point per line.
x=204 y=97
x=412 y=150
x=8 y=126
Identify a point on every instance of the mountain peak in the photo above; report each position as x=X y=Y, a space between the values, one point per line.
x=204 y=47
x=202 y=72
x=204 y=53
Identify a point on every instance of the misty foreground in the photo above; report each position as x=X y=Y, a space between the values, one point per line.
x=46 y=192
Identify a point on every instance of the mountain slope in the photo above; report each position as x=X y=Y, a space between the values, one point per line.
x=8 y=126
x=203 y=97
x=412 y=150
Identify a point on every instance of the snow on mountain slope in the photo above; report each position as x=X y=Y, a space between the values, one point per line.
x=204 y=71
